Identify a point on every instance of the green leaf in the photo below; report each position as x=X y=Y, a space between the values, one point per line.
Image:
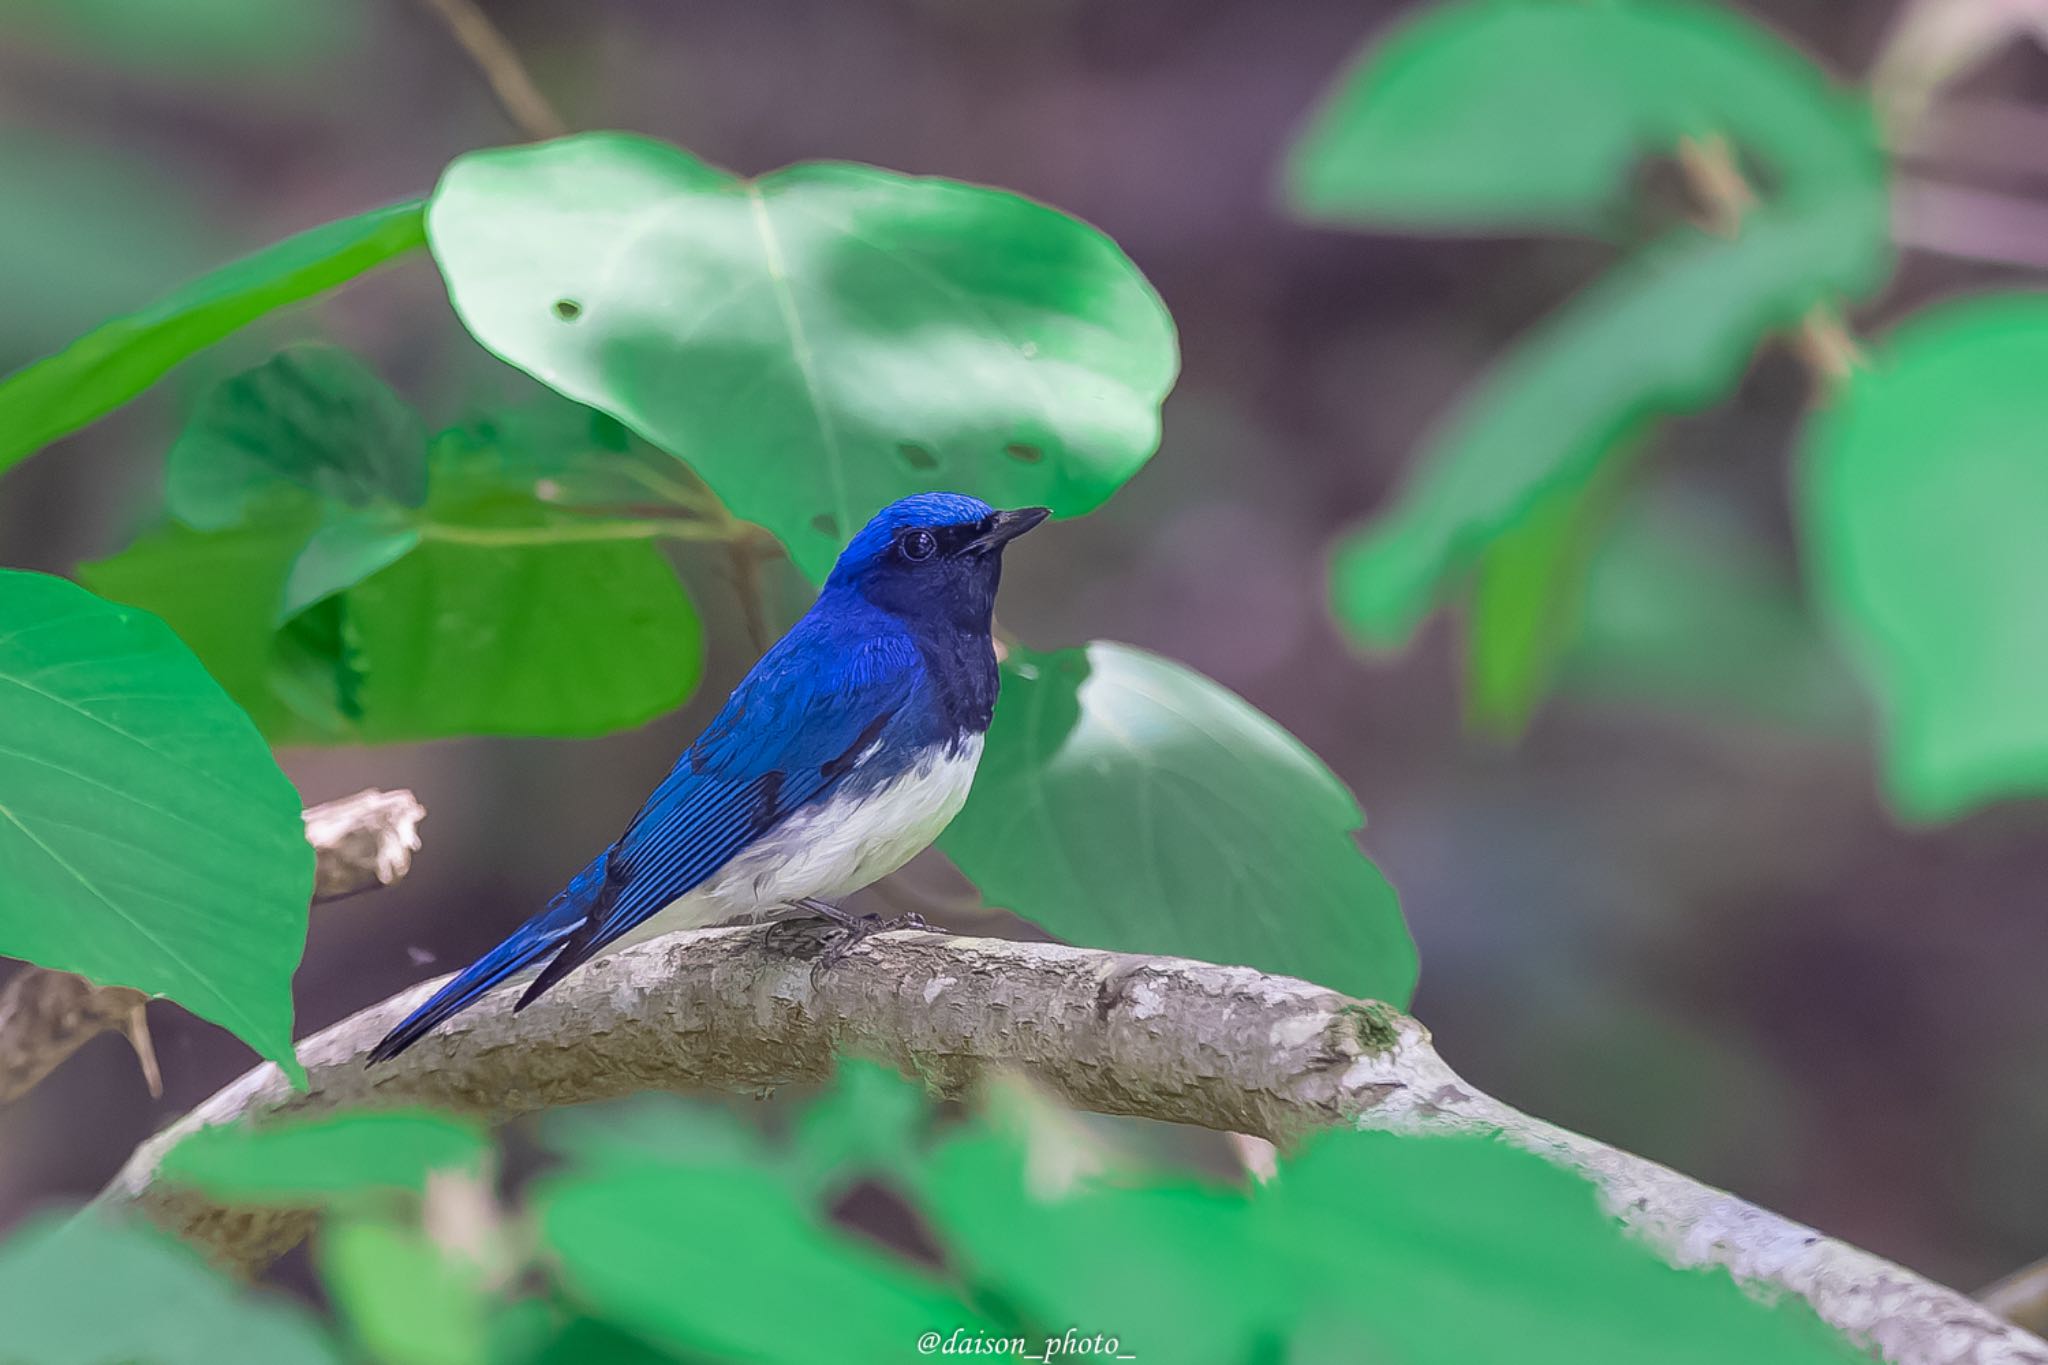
x=324 y=1156
x=820 y=340
x=1444 y=1251
x=1923 y=501
x=1669 y=331
x=110 y=365
x=665 y=1129
x=489 y=612
x=1168 y=1267
x=494 y=637
x=312 y=418
x=86 y=1291
x=1687 y=606
x=219 y=592
x=1126 y=802
x=147 y=837
x=1431 y=128
x=725 y=1261
x=1525 y=606
x=89 y=228
x=219 y=42
x=404 y=1299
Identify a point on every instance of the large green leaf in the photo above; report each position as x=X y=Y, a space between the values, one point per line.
x=85 y=1291
x=323 y=1156
x=110 y=365
x=147 y=837
x=1924 y=514
x=725 y=1261
x=817 y=341
x=1668 y=331
x=1126 y=802
x=1431 y=128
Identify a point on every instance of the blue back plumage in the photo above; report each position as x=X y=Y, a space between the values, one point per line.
x=893 y=660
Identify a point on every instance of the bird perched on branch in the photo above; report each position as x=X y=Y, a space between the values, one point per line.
x=841 y=754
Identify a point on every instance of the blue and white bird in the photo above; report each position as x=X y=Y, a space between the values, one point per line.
x=845 y=750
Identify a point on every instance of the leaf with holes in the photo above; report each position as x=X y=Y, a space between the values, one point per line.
x=1126 y=802
x=147 y=837
x=110 y=365
x=821 y=340
x=1924 y=494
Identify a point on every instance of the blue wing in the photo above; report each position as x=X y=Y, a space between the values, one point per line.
x=790 y=735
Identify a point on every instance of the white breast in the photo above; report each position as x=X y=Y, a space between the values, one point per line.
x=836 y=848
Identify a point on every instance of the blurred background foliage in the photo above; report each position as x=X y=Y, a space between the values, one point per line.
x=1454 y=333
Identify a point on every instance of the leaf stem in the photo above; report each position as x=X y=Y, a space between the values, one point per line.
x=577 y=533
x=495 y=56
x=1823 y=341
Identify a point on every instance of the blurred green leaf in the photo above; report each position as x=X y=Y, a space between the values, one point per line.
x=214 y=39
x=85 y=1291
x=312 y=417
x=870 y=1121
x=1687 y=606
x=725 y=1260
x=1167 y=1267
x=404 y=1299
x=88 y=230
x=147 y=835
x=664 y=1129
x=820 y=340
x=1445 y=1251
x=1668 y=331
x=1525 y=605
x=112 y=364
x=1923 y=502
x=1126 y=802
x=1431 y=128
x=324 y=1156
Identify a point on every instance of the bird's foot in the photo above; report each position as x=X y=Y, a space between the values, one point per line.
x=853 y=931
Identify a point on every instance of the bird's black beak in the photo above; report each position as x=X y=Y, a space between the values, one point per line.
x=1000 y=528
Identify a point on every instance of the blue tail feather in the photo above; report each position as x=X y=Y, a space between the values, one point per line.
x=528 y=944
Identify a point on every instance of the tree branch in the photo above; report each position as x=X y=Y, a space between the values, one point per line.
x=363 y=841
x=1224 y=1047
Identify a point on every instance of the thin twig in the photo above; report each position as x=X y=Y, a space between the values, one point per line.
x=743 y=553
x=495 y=56
x=1823 y=341
x=2021 y=1298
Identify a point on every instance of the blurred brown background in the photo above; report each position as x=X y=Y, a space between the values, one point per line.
x=1688 y=930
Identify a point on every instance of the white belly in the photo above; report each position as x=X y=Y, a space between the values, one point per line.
x=832 y=849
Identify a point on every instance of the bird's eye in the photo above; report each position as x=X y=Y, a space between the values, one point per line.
x=918 y=545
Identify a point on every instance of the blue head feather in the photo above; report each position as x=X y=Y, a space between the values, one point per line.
x=932 y=559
